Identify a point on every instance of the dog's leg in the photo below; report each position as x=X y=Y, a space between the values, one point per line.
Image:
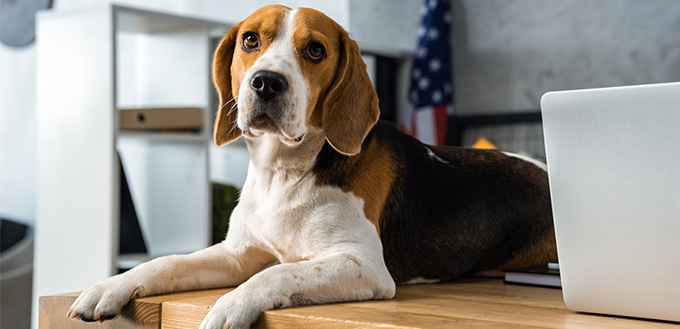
x=335 y=278
x=216 y=266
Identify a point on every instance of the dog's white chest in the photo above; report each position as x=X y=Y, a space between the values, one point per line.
x=297 y=219
x=279 y=234
x=277 y=213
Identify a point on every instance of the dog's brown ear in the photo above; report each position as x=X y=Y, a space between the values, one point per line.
x=225 y=123
x=351 y=106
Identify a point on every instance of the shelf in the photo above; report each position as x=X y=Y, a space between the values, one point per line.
x=169 y=137
x=128 y=261
x=132 y=19
x=92 y=62
x=364 y=19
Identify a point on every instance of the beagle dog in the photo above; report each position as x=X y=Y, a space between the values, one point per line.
x=337 y=206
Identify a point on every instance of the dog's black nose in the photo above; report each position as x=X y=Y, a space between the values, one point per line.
x=268 y=84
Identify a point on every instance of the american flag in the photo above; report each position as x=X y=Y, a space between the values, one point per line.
x=431 y=89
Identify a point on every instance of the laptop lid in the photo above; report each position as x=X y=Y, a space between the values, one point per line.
x=614 y=168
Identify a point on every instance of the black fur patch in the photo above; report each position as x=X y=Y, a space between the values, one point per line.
x=108 y=316
x=87 y=318
x=454 y=214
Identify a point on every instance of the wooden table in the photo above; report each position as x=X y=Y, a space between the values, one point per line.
x=478 y=303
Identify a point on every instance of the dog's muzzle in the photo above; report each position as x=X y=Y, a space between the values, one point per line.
x=267 y=111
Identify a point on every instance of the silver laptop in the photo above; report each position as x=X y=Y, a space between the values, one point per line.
x=614 y=167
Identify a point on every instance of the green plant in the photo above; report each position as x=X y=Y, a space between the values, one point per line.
x=225 y=198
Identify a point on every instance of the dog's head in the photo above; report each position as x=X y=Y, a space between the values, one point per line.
x=284 y=72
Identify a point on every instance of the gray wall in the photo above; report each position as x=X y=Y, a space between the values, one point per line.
x=508 y=53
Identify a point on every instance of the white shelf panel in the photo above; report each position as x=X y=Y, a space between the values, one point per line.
x=166 y=137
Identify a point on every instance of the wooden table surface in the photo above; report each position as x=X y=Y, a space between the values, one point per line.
x=477 y=303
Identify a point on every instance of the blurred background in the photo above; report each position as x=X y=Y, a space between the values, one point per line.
x=106 y=110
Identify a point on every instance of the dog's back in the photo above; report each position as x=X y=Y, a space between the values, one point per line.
x=447 y=211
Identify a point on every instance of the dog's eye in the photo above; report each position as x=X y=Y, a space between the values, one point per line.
x=315 y=52
x=250 y=41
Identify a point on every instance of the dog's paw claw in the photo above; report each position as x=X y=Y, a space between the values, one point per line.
x=103 y=301
x=231 y=312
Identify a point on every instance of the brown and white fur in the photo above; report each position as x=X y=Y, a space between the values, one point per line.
x=337 y=206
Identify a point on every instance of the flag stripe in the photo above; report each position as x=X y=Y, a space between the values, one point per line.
x=441 y=119
x=414 y=126
x=424 y=124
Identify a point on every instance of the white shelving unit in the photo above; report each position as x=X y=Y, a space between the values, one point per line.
x=91 y=63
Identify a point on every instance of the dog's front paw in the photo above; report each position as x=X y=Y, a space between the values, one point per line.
x=103 y=301
x=233 y=312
